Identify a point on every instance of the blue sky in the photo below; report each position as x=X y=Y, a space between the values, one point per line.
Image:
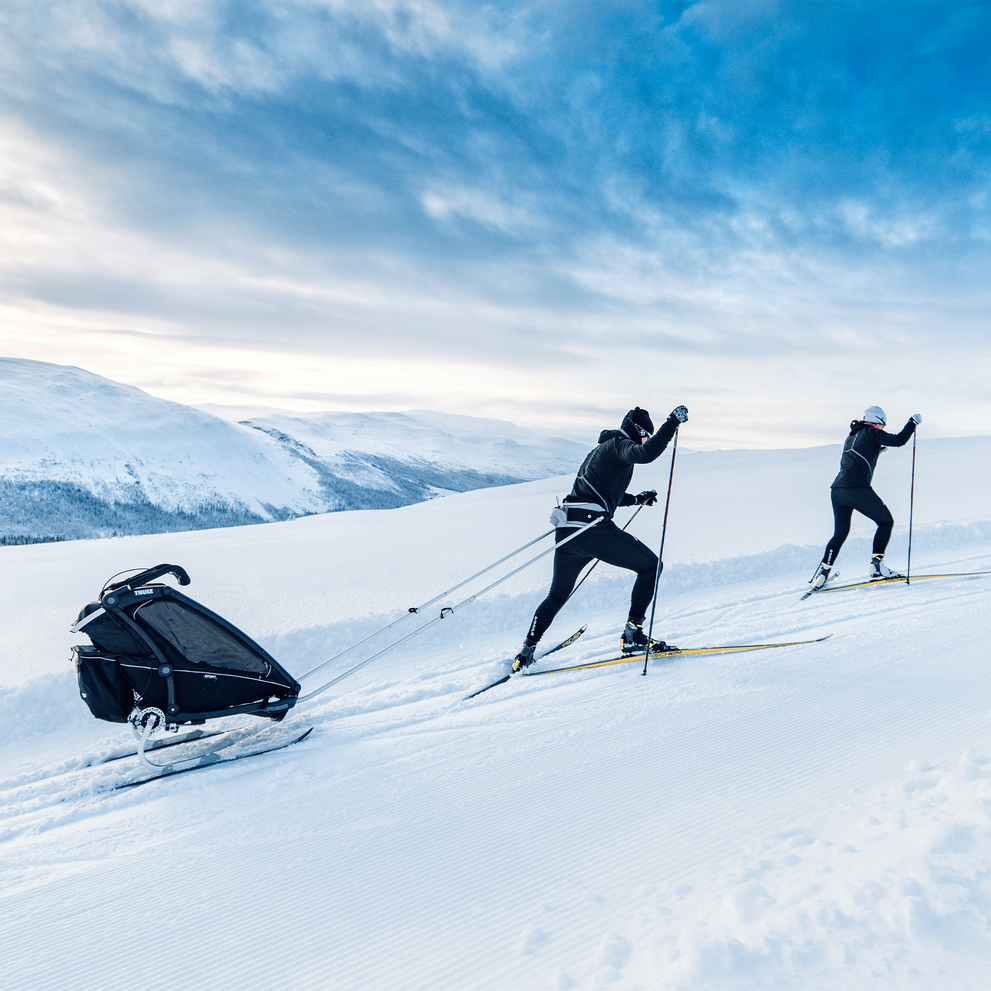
x=776 y=213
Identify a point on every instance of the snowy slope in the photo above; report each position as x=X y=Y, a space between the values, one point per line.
x=444 y=440
x=63 y=424
x=812 y=817
x=81 y=455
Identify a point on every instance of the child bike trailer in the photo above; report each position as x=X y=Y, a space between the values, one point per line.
x=159 y=659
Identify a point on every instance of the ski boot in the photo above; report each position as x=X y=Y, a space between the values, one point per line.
x=524 y=658
x=880 y=570
x=635 y=641
x=820 y=577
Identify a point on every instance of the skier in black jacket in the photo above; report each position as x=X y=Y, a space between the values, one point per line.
x=851 y=490
x=598 y=490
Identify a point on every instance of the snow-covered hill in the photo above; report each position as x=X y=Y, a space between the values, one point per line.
x=806 y=818
x=446 y=441
x=81 y=455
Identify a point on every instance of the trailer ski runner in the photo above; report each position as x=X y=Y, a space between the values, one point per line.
x=209 y=760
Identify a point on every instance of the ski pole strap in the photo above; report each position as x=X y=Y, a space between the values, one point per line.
x=416 y=609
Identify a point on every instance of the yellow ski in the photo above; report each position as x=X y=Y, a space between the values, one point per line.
x=626 y=658
x=909 y=580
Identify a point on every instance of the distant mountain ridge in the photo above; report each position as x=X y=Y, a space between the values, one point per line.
x=84 y=456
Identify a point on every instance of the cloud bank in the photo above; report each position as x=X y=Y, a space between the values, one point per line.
x=775 y=212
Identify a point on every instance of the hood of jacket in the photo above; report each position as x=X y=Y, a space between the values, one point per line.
x=612 y=434
x=857 y=425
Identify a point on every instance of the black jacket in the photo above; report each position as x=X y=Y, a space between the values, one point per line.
x=607 y=470
x=860 y=450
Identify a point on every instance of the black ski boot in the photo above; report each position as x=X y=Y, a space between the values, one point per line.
x=524 y=658
x=635 y=641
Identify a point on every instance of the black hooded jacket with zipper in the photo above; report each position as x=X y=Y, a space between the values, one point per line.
x=606 y=471
x=860 y=450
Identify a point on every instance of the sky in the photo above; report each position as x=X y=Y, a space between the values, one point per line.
x=774 y=213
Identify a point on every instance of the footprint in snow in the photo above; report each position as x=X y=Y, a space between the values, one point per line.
x=532 y=938
x=749 y=900
x=611 y=958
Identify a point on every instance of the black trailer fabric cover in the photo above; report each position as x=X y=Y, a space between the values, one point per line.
x=151 y=640
x=111 y=636
x=102 y=685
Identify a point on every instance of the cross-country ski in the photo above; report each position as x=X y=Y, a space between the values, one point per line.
x=902 y=580
x=673 y=652
x=567 y=642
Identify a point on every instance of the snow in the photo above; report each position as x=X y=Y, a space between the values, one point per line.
x=810 y=817
x=446 y=439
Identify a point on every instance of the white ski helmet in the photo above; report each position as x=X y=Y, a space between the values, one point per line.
x=874 y=414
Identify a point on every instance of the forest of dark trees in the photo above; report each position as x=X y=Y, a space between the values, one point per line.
x=47 y=511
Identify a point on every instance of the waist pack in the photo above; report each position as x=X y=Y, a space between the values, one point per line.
x=576 y=514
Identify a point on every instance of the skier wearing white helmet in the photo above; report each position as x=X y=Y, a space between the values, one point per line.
x=851 y=490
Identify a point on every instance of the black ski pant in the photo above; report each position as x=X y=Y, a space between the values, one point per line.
x=608 y=543
x=865 y=501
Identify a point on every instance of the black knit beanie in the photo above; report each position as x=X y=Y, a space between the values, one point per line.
x=637 y=418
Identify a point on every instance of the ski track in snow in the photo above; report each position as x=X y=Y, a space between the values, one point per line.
x=807 y=817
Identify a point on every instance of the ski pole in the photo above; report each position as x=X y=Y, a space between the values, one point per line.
x=596 y=561
x=660 y=553
x=416 y=609
x=444 y=613
x=911 y=507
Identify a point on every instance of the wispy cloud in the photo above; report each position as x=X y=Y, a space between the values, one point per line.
x=541 y=211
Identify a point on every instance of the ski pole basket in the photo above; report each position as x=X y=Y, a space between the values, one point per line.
x=155 y=648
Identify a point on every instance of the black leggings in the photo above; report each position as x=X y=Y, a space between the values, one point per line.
x=608 y=543
x=865 y=501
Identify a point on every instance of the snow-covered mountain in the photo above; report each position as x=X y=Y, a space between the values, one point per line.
x=81 y=455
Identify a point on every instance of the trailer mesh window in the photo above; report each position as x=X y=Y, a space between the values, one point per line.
x=198 y=638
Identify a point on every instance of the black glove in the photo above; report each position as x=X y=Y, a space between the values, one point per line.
x=680 y=413
x=647 y=498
